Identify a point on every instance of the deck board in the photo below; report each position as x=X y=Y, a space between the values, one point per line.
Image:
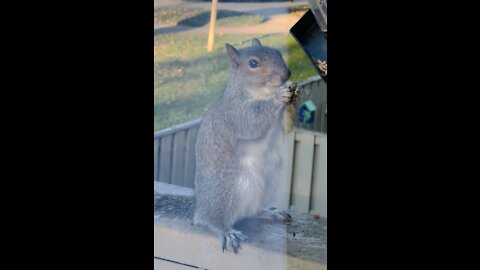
x=270 y=245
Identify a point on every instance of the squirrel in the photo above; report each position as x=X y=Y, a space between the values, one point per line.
x=237 y=151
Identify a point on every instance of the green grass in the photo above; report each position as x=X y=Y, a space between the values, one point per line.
x=200 y=17
x=188 y=80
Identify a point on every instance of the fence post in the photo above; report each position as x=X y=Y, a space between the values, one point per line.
x=211 y=30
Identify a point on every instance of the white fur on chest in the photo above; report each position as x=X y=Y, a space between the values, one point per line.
x=260 y=163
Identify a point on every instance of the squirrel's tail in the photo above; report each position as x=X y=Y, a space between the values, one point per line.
x=174 y=206
x=289 y=115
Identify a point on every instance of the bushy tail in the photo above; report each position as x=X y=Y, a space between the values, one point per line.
x=174 y=206
x=289 y=117
x=290 y=112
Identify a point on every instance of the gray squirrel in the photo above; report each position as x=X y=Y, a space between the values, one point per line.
x=237 y=152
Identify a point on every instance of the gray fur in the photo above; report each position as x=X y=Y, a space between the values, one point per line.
x=174 y=206
x=237 y=149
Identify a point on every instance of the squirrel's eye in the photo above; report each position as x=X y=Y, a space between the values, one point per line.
x=253 y=63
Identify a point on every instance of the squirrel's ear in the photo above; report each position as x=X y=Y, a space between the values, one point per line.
x=232 y=53
x=256 y=42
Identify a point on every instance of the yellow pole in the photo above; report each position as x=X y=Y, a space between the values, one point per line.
x=211 y=31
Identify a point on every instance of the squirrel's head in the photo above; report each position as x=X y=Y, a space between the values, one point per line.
x=258 y=66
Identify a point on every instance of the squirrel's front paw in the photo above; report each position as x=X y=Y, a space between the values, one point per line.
x=231 y=240
x=290 y=94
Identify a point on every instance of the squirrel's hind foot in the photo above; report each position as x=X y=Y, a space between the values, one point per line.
x=276 y=214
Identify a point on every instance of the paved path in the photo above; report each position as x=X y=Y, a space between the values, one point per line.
x=278 y=20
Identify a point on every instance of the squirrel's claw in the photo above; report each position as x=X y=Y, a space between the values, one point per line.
x=231 y=240
x=224 y=243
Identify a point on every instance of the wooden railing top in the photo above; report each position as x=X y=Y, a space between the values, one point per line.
x=174 y=129
x=270 y=244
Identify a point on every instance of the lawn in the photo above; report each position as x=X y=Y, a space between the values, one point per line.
x=188 y=80
x=201 y=16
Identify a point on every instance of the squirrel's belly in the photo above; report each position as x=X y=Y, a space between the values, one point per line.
x=260 y=164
